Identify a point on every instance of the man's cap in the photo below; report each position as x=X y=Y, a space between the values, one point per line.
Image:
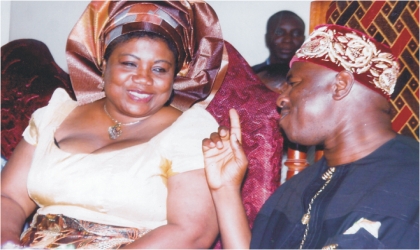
x=341 y=48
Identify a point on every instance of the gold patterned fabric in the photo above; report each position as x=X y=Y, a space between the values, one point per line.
x=53 y=231
x=342 y=48
x=395 y=23
x=192 y=25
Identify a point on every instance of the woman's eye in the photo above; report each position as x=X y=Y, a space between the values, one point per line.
x=159 y=70
x=131 y=64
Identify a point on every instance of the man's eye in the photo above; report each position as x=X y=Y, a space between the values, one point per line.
x=279 y=32
x=297 y=33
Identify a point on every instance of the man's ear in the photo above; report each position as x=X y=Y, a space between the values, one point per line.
x=344 y=81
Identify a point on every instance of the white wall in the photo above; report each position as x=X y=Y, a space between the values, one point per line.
x=47 y=21
x=243 y=23
x=5 y=21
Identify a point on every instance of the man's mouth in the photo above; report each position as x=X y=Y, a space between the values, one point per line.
x=282 y=116
x=286 y=51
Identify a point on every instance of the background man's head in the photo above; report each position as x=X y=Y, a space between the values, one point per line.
x=284 y=35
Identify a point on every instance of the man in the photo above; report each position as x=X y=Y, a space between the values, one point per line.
x=364 y=192
x=284 y=35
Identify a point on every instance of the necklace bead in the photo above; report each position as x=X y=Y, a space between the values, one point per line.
x=307 y=217
x=115 y=131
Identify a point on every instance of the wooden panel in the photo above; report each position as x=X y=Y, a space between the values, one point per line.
x=318 y=13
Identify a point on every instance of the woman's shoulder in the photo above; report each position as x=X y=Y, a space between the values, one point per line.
x=197 y=112
x=195 y=123
x=181 y=142
x=59 y=105
x=57 y=109
x=196 y=118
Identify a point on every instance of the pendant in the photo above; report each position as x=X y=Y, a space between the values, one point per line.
x=305 y=219
x=115 y=131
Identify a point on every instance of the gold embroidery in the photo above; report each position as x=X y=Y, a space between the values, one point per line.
x=330 y=247
x=52 y=231
x=354 y=53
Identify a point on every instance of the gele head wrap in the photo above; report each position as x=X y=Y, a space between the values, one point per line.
x=192 y=25
x=342 y=48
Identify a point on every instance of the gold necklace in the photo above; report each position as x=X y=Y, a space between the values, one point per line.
x=115 y=131
x=307 y=217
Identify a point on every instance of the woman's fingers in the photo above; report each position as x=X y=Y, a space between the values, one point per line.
x=235 y=124
x=238 y=151
x=207 y=144
x=223 y=132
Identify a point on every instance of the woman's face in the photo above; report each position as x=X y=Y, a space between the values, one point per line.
x=138 y=77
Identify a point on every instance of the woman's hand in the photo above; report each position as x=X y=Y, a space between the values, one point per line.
x=224 y=158
x=225 y=163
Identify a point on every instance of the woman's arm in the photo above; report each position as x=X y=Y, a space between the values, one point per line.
x=190 y=212
x=16 y=205
x=225 y=165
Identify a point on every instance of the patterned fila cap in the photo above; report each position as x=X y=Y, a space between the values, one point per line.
x=341 y=48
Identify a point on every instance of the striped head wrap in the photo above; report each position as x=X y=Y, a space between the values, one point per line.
x=192 y=25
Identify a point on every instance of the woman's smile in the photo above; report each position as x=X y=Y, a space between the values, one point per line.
x=140 y=96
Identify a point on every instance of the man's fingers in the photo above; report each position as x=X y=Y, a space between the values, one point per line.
x=235 y=124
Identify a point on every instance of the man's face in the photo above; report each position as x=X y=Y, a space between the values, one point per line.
x=285 y=35
x=306 y=103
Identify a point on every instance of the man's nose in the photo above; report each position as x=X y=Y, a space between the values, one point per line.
x=286 y=37
x=284 y=95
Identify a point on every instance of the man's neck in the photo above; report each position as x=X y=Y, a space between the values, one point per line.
x=275 y=60
x=356 y=143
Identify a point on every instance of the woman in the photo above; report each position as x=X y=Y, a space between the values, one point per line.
x=120 y=167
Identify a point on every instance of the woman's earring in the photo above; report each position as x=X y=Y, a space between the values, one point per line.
x=102 y=84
